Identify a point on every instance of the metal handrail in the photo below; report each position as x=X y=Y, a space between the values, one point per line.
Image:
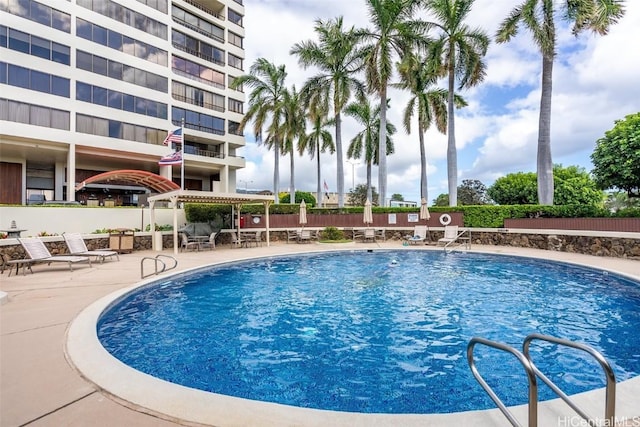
x=467 y=241
x=531 y=376
x=610 y=395
x=157 y=261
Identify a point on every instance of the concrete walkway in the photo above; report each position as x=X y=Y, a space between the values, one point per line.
x=38 y=385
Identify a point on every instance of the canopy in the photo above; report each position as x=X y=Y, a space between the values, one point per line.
x=192 y=196
x=143 y=178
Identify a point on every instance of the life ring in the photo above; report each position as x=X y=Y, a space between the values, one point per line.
x=445 y=219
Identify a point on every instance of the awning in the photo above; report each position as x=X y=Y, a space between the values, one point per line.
x=192 y=196
x=142 y=178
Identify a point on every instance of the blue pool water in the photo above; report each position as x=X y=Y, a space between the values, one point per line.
x=356 y=331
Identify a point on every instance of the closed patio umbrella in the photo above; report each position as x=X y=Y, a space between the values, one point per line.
x=424 y=211
x=303 y=213
x=368 y=214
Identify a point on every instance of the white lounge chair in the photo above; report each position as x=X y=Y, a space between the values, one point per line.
x=369 y=234
x=305 y=236
x=420 y=234
x=450 y=234
x=77 y=246
x=38 y=252
x=211 y=243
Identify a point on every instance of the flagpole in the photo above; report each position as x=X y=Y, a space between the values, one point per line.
x=182 y=163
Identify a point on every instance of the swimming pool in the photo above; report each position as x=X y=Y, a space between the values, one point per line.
x=423 y=311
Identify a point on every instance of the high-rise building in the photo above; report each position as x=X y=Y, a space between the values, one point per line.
x=91 y=86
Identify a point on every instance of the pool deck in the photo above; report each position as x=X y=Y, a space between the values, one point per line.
x=41 y=386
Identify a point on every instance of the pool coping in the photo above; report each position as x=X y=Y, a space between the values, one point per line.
x=173 y=402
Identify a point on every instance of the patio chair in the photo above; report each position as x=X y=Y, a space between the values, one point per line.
x=293 y=235
x=38 y=252
x=237 y=242
x=369 y=235
x=186 y=244
x=450 y=234
x=211 y=243
x=305 y=236
x=420 y=235
x=77 y=246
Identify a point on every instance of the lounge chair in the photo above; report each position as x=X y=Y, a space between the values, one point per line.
x=77 y=246
x=420 y=235
x=293 y=235
x=305 y=236
x=38 y=252
x=450 y=234
x=237 y=242
x=369 y=234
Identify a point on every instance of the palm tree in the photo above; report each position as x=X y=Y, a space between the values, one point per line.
x=317 y=141
x=539 y=17
x=338 y=59
x=366 y=141
x=294 y=128
x=460 y=50
x=394 y=32
x=266 y=108
x=430 y=104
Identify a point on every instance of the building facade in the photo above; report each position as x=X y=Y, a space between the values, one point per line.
x=90 y=86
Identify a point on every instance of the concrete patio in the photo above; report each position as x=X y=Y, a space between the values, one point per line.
x=40 y=387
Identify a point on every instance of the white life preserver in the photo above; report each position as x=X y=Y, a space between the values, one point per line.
x=445 y=219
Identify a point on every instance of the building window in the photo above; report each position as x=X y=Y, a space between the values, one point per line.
x=159 y=5
x=235 y=106
x=196 y=96
x=26 y=78
x=234 y=128
x=36 y=115
x=33 y=45
x=120 y=42
x=197 y=121
x=235 y=62
x=197 y=24
x=127 y=16
x=116 y=129
x=38 y=12
x=197 y=47
x=235 y=39
x=234 y=17
x=198 y=72
x=231 y=80
x=117 y=70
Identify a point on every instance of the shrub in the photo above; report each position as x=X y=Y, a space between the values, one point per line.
x=331 y=233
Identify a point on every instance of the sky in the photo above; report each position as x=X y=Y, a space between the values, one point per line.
x=596 y=81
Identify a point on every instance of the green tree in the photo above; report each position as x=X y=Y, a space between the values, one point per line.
x=266 y=108
x=539 y=16
x=358 y=196
x=365 y=143
x=574 y=186
x=460 y=50
x=394 y=32
x=309 y=199
x=430 y=104
x=472 y=192
x=441 y=200
x=318 y=140
x=294 y=129
x=339 y=60
x=397 y=196
x=617 y=157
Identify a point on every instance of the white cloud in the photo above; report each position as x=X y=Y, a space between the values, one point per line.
x=595 y=83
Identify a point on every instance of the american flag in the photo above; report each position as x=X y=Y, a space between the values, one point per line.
x=171 y=159
x=175 y=136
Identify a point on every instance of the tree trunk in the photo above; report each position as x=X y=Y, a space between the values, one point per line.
x=545 y=162
x=276 y=173
x=382 y=148
x=423 y=164
x=292 y=180
x=452 y=155
x=369 y=190
x=319 y=187
x=340 y=163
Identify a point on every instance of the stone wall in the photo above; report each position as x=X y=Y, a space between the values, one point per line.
x=617 y=247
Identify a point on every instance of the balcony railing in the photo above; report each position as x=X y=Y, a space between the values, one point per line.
x=205 y=9
x=194 y=102
x=198 y=127
x=198 y=54
x=198 y=30
x=197 y=78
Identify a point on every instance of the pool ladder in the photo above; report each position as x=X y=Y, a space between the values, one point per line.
x=157 y=263
x=533 y=373
x=460 y=241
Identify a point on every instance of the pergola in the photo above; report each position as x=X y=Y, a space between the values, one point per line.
x=192 y=196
